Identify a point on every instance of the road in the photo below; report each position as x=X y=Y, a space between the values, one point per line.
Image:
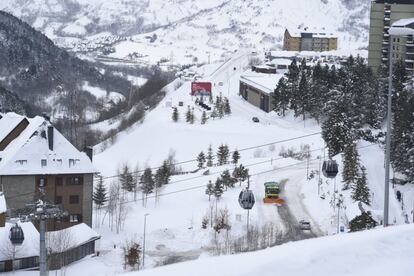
x=291 y=224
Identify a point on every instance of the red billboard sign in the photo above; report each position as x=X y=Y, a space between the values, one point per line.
x=200 y=88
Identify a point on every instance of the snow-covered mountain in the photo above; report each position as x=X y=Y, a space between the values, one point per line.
x=196 y=28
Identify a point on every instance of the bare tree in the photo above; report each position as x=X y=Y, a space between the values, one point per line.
x=58 y=243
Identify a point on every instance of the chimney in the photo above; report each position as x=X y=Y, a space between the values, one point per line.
x=50 y=137
x=89 y=152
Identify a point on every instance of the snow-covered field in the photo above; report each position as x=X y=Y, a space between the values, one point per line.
x=377 y=252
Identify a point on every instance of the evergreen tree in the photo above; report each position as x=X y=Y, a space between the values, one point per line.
x=223 y=155
x=280 y=98
x=147 y=181
x=302 y=96
x=241 y=173
x=214 y=113
x=201 y=159
x=360 y=190
x=209 y=190
x=236 y=157
x=126 y=179
x=203 y=118
x=100 y=194
x=166 y=170
x=175 y=114
x=226 y=106
x=218 y=188
x=192 y=118
x=350 y=165
x=210 y=157
x=188 y=115
x=227 y=180
x=292 y=84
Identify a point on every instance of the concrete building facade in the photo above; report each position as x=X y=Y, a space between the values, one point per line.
x=306 y=40
x=383 y=15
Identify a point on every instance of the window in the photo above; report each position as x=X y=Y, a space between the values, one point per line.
x=76 y=180
x=41 y=182
x=43 y=162
x=59 y=162
x=73 y=218
x=21 y=162
x=73 y=199
x=59 y=181
x=73 y=162
x=58 y=200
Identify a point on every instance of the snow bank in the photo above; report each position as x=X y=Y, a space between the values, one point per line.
x=366 y=253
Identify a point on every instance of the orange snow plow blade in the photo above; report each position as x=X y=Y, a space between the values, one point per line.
x=278 y=201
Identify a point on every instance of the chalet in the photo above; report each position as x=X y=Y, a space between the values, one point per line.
x=32 y=154
x=257 y=86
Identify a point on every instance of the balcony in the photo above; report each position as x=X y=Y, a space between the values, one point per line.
x=409 y=61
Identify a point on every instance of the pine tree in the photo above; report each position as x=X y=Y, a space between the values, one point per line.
x=218 y=188
x=210 y=157
x=227 y=180
x=241 y=173
x=100 y=193
x=214 y=113
x=222 y=155
x=209 y=190
x=175 y=115
x=201 y=159
x=292 y=84
x=227 y=108
x=126 y=179
x=360 y=190
x=281 y=98
x=350 y=165
x=203 y=118
x=147 y=181
x=192 y=117
x=188 y=115
x=236 y=157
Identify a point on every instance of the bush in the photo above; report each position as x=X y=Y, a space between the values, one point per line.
x=362 y=222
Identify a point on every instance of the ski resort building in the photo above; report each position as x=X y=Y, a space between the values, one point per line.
x=383 y=15
x=33 y=154
x=257 y=86
x=307 y=40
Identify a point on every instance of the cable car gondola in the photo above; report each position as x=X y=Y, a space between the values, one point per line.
x=330 y=168
x=16 y=235
x=246 y=199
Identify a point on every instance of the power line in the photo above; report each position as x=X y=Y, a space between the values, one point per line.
x=215 y=173
x=215 y=155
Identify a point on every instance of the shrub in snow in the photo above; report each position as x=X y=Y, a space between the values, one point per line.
x=362 y=222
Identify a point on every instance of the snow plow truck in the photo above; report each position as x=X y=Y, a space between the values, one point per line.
x=272 y=193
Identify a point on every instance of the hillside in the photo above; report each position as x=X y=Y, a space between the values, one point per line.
x=42 y=74
x=144 y=31
x=360 y=254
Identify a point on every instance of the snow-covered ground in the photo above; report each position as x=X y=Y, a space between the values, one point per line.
x=377 y=252
x=174 y=230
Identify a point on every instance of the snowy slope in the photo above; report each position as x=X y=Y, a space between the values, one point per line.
x=376 y=252
x=197 y=29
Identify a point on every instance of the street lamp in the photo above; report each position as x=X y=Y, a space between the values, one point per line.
x=402 y=27
x=143 y=246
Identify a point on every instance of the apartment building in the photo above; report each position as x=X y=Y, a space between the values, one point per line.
x=309 y=40
x=383 y=15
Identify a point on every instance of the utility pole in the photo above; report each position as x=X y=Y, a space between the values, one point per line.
x=388 y=141
x=143 y=246
x=42 y=211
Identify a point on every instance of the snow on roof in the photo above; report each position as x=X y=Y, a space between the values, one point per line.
x=24 y=155
x=29 y=248
x=263 y=82
x=281 y=61
x=403 y=22
x=62 y=240
x=7 y=123
x=3 y=206
x=315 y=32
